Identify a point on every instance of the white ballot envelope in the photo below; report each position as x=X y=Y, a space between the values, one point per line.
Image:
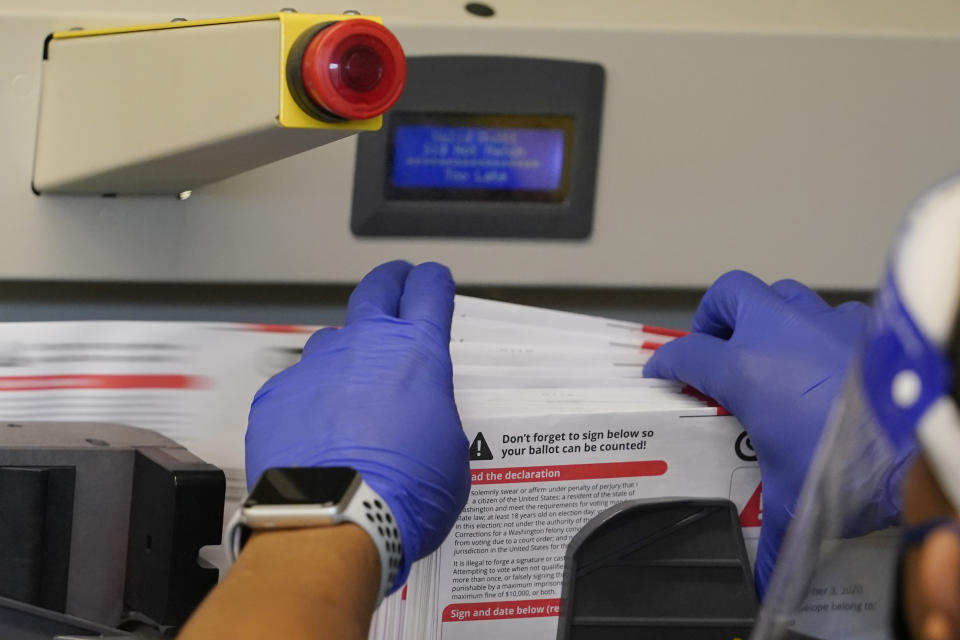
x=560 y=421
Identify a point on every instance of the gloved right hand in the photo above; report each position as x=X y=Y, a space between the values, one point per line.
x=377 y=396
x=775 y=357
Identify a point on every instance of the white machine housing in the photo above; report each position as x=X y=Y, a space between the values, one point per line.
x=164 y=111
x=785 y=138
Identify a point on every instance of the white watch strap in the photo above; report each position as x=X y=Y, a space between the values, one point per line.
x=371 y=512
x=365 y=509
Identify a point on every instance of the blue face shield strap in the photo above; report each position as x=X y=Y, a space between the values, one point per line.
x=953 y=355
x=913 y=537
x=903 y=372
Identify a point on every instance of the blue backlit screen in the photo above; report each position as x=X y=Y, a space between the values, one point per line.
x=478 y=158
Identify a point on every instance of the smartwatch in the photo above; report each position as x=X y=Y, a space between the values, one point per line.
x=298 y=497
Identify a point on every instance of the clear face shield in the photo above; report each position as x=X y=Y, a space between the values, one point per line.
x=830 y=581
x=839 y=499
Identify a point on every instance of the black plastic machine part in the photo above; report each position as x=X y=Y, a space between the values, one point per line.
x=176 y=510
x=659 y=570
x=173 y=508
x=447 y=90
x=27 y=622
x=295 y=75
x=36 y=507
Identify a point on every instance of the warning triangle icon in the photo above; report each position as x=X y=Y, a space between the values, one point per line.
x=479 y=449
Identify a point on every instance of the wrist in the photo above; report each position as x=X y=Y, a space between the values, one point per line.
x=304 y=498
x=407 y=522
x=327 y=577
x=311 y=582
x=309 y=551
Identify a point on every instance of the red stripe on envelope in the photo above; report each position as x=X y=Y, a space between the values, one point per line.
x=664 y=331
x=710 y=402
x=471 y=611
x=561 y=472
x=101 y=381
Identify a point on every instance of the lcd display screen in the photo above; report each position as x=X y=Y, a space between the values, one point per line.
x=480 y=157
x=302 y=486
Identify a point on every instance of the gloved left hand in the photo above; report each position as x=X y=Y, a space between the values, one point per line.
x=377 y=395
x=776 y=357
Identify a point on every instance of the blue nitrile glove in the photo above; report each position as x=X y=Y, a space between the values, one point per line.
x=775 y=357
x=377 y=395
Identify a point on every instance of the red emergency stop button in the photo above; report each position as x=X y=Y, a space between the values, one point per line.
x=351 y=69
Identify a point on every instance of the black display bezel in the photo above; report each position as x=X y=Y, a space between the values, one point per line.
x=498 y=121
x=326 y=486
x=446 y=89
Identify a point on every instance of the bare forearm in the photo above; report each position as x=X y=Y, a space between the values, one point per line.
x=302 y=583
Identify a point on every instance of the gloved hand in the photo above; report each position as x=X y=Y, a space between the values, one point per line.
x=775 y=357
x=377 y=395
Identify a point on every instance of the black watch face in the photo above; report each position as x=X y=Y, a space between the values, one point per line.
x=302 y=485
